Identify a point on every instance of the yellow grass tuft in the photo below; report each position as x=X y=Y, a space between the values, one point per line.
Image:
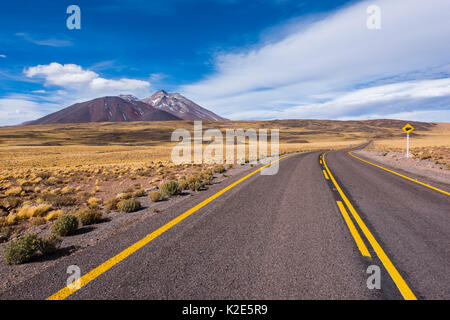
x=66 y=190
x=11 y=219
x=53 y=215
x=27 y=211
x=56 y=191
x=94 y=201
x=13 y=191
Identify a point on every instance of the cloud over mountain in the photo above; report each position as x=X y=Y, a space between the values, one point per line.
x=314 y=69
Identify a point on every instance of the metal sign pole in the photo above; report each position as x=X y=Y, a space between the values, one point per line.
x=407 y=145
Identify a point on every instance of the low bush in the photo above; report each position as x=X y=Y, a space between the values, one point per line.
x=111 y=204
x=124 y=195
x=183 y=184
x=169 y=188
x=49 y=244
x=65 y=225
x=33 y=211
x=38 y=221
x=207 y=177
x=5 y=233
x=89 y=216
x=59 y=200
x=21 y=250
x=13 y=191
x=155 y=196
x=53 y=215
x=12 y=202
x=139 y=193
x=194 y=183
x=129 y=205
x=94 y=202
x=220 y=169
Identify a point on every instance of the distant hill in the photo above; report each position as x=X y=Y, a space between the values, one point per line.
x=180 y=106
x=107 y=109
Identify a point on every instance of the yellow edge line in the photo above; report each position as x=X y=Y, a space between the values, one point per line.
x=395 y=275
x=88 y=277
x=359 y=242
x=325 y=174
x=401 y=175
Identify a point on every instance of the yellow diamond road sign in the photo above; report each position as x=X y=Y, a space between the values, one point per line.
x=408 y=128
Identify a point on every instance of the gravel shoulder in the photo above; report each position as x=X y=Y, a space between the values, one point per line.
x=417 y=167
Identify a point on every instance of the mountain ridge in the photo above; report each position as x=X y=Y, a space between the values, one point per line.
x=180 y=106
x=105 y=109
x=161 y=106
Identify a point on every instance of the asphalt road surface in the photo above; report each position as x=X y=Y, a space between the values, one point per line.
x=276 y=237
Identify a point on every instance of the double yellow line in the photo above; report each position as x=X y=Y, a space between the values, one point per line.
x=395 y=275
x=91 y=275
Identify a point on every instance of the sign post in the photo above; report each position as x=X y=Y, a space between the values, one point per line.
x=407 y=128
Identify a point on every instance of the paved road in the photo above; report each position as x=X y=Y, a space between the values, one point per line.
x=274 y=237
x=411 y=221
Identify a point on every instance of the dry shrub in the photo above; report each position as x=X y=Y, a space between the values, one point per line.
x=65 y=225
x=111 y=204
x=66 y=190
x=129 y=205
x=11 y=219
x=94 y=202
x=21 y=250
x=33 y=211
x=13 y=191
x=59 y=200
x=169 y=188
x=155 y=196
x=89 y=216
x=53 y=215
x=124 y=195
x=139 y=193
x=12 y=202
x=49 y=244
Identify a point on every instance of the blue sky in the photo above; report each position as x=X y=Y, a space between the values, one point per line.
x=261 y=59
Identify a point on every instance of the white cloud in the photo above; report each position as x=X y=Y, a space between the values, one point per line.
x=52 y=42
x=326 y=60
x=62 y=75
x=2 y=56
x=426 y=100
x=85 y=83
x=16 y=109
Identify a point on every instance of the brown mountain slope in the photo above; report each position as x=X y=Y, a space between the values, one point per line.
x=180 y=106
x=106 y=109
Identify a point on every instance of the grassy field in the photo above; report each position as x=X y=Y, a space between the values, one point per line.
x=48 y=171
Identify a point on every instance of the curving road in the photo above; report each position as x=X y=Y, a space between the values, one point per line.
x=276 y=237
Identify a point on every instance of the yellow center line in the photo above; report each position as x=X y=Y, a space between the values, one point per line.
x=325 y=174
x=359 y=242
x=395 y=275
x=401 y=175
x=91 y=275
